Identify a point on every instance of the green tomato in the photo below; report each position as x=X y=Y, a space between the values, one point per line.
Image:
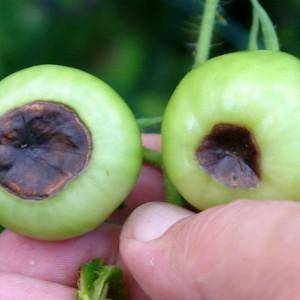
x=40 y=148
x=232 y=129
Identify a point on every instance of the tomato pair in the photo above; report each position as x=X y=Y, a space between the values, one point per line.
x=70 y=149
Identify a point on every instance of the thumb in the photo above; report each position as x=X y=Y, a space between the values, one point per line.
x=243 y=250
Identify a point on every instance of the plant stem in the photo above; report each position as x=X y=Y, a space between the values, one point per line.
x=253 y=44
x=268 y=30
x=206 y=31
x=172 y=196
x=149 y=122
x=152 y=157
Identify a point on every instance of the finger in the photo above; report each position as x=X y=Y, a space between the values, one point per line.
x=149 y=187
x=134 y=290
x=57 y=261
x=152 y=141
x=60 y=261
x=16 y=287
x=244 y=250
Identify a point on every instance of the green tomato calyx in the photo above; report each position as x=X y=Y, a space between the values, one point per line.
x=230 y=155
x=43 y=146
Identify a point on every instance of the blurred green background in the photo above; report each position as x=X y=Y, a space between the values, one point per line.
x=140 y=47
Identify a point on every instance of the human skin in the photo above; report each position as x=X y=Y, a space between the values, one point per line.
x=239 y=251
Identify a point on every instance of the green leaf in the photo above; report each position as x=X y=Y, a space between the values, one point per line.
x=100 y=282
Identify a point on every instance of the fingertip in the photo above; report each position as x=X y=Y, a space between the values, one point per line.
x=143 y=257
x=151 y=220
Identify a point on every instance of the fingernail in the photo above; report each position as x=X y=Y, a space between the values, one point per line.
x=150 y=221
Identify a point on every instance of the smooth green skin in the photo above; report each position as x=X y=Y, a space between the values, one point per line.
x=116 y=158
x=259 y=90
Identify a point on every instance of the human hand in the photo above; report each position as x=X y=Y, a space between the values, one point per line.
x=34 y=270
x=243 y=250
x=240 y=251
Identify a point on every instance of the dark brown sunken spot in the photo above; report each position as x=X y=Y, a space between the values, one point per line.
x=230 y=155
x=43 y=146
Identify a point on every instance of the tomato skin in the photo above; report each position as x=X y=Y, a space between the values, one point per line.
x=115 y=162
x=257 y=90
